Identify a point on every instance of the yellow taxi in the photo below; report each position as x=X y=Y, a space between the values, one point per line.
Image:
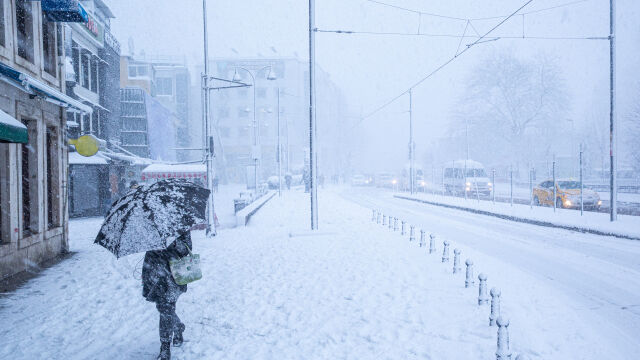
x=567 y=195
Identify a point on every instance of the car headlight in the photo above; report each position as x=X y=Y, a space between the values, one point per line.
x=422 y=183
x=489 y=184
x=599 y=202
x=567 y=203
x=468 y=184
x=394 y=181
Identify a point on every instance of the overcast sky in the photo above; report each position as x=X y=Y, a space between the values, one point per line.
x=373 y=69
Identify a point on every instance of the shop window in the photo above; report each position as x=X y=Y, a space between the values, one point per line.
x=49 y=46
x=24 y=24
x=164 y=86
x=94 y=75
x=53 y=173
x=29 y=175
x=3 y=27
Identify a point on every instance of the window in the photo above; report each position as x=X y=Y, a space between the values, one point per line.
x=135 y=124
x=84 y=65
x=94 y=74
x=133 y=71
x=29 y=172
x=164 y=86
x=49 y=46
x=24 y=25
x=5 y=210
x=85 y=125
x=52 y=167
x=138 y=70
x=75 y=56
x=134 y=138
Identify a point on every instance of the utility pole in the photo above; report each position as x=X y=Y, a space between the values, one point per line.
x=312 y=117
x=612 y=115
x=208 y=140
x=279 y=153
x=411 y=146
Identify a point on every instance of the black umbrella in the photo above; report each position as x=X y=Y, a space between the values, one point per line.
x=151 y=217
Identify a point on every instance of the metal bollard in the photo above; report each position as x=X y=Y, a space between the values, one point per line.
x=402 y=231
x=445 y=252
x=378 y=218
x=456 y=261
x=412 y=233
x=384 y=220
x=432 y=243
x=469 y=282
x=373 y=215
x=495 y=306
x=483 y=299
x=390 y=223
x=422 y=240
x=503 y=352
x=395 y=224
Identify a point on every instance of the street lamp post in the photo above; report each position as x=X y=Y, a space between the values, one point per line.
x=256 y=142
x=208 y=139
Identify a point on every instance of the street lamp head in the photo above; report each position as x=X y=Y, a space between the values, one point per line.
x=236 y=75
x=271 y=75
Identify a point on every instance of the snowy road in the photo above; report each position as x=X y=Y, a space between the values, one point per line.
x=600 y=275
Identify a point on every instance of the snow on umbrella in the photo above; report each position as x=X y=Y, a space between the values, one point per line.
x=152 y=216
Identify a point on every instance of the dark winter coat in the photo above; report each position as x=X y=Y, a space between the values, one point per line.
x=158 y=284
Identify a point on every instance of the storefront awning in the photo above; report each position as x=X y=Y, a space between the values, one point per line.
x=64 y=11
x=12 y=130
x=35 y=87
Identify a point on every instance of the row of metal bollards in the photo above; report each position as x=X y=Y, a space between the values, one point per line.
x=503 y=351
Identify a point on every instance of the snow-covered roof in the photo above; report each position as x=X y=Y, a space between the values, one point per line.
x=178 y=168
x=77 y=159
x=469 y=164
x=10 y=121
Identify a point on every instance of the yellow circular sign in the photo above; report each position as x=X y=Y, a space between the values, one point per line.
x=86 y=145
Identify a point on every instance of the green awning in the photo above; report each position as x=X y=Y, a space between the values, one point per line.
x=12 y=130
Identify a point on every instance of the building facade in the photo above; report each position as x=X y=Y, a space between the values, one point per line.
x=167 y=81
x=33 y=168
x=232 y=116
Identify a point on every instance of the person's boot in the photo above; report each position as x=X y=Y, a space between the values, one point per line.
x=165 y=351
x=177 y=335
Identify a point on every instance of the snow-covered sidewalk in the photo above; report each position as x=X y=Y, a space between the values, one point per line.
x=353 y=291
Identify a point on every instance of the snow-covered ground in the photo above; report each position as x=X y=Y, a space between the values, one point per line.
x=353 y=290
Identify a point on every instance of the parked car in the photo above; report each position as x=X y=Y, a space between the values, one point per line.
x=468 y=176
x=567 y=195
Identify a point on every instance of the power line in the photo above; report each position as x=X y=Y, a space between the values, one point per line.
x=469 y=46
x=354 y=32
x=416 y=11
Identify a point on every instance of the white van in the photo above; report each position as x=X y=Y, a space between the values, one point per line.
x=466 y=175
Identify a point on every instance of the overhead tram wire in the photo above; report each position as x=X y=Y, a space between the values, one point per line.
x=469 y=46
x=420 y=12
x=454 y=36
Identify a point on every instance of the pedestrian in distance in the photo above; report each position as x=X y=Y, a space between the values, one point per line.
x=215 y=184
x=159 y=287
x=287 y=179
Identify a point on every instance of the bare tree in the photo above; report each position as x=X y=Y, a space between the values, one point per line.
x=512 y=109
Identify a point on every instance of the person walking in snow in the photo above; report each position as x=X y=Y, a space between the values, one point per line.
x=158 y=286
